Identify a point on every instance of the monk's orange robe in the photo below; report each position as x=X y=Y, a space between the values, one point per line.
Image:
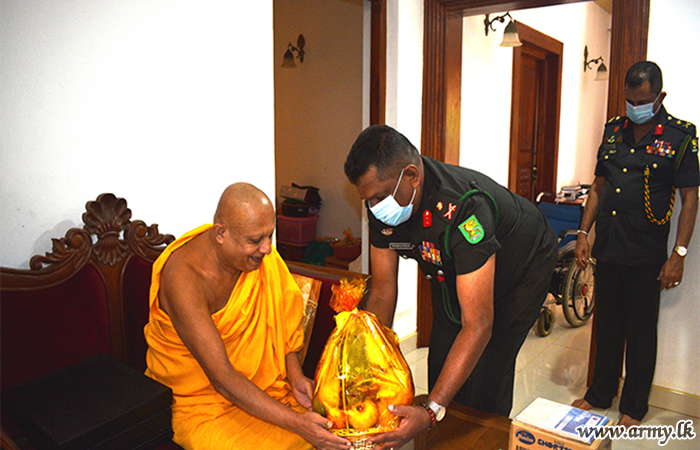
x=260 y=325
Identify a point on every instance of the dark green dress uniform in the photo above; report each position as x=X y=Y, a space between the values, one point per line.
x=632 y=229
x=463 y=219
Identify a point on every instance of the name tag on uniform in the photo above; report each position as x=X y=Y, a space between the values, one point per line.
x=401 y=246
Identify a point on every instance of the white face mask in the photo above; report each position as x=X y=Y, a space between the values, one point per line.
x=641 y=113
x=389 y=211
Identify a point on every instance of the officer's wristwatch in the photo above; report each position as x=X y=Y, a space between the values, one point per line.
x=682 y=251
x=439 y=410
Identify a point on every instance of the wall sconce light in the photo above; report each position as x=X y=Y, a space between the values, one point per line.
x=510 y=34
x=602 y=72
x=288 y=61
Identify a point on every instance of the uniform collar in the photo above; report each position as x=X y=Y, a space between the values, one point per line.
x=431 y=183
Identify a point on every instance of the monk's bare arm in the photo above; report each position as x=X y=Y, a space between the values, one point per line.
x=302 y=386
x=185 y=303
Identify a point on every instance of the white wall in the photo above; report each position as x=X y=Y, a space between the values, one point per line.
x=161 y=102
x=319 y=104
x=678 y=359
x=487 y=84
x=403 y=112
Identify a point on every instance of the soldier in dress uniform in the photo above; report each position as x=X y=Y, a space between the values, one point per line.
x=489 y=255
x=643 y=159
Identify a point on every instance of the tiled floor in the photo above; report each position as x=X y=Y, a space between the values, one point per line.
x=554 y=367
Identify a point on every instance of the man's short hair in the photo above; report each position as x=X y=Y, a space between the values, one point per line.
x=383 y=147
x=645 y=71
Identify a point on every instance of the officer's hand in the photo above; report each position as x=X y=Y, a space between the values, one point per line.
x=414 y=419
x=582 y=251
x=671 y=273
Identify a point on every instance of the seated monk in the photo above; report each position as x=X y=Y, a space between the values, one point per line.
x=223 y=333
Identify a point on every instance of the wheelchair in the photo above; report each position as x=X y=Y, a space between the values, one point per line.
x=570 y=287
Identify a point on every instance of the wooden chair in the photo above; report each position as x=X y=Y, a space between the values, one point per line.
x=89 y=295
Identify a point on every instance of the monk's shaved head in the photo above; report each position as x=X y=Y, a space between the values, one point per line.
x=239 y=203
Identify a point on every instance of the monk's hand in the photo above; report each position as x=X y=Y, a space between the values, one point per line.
x=414 y=419
x=303 y=390
x=314 y=428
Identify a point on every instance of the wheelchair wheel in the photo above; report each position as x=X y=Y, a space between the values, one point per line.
x=578 y=297
x=545 y=322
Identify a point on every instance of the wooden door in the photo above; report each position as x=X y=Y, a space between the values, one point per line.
x=535 y=111
x=528 y=142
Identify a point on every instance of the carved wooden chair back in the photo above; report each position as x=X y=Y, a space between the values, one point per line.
x=88 y=295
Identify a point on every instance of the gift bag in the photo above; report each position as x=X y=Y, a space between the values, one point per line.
x=361 y=370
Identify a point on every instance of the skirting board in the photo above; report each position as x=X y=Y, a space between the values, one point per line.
x=675 y=401
x=671 y=400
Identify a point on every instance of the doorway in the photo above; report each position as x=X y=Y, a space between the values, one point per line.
x=535 y=112
x=319 y=108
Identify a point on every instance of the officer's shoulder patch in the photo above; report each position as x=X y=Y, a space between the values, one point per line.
x=694 y=145
x=616 y=119
x=472 y=230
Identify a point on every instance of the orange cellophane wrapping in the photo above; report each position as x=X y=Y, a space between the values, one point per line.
x=361 y=371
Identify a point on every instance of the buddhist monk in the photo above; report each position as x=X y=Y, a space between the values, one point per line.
x=223 y=333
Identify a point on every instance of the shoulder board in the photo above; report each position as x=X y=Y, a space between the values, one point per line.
x=683 y=125
x=616 y=119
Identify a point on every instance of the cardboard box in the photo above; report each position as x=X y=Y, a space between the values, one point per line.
x=547 y=425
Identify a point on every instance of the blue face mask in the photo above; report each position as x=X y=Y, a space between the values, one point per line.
x=641 y=113
x=389 y=211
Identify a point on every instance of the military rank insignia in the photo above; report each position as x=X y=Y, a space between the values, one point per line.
x=661 y=148
x=450 y=210
x=695 y=145
x=388 y=231
x=427 y=219
x=429 y=253
x=472 y=230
